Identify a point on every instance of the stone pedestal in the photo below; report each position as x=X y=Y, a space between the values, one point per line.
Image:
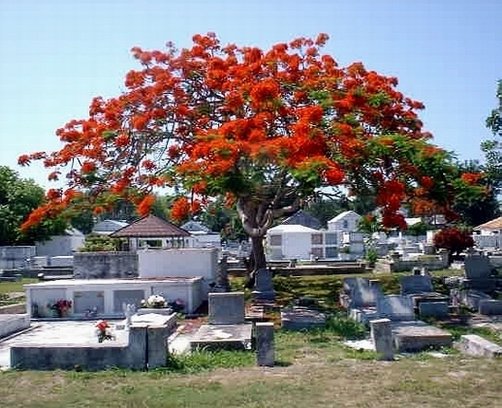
x=265 y=351
x=264 y=287
x=381 y=334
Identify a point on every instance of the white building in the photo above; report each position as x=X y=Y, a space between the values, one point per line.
x=489 y=234
x=61 y=245
x=347 y=221
x=291 y=241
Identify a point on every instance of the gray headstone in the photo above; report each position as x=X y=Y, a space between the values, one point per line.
x=416 y=284
x=226 y=308
x=395 y=308
x=350 y=283
x=437 y=310
x=264 y=286
x=477 y=266
x=265 y=351
x=490 y=307
x=381 y=335
x=364 y=296
x=222 y=282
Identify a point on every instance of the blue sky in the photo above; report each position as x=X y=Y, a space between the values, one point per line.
x=56 y=55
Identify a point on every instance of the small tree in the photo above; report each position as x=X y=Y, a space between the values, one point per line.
x=454 y=239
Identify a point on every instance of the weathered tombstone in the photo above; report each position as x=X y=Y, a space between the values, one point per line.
x=475 y=345
x=222 y=283
x=364 y=296
x=395 y=308
x=381 y=335
x=437 y=310
x=129 y=311
x=264 y=287
x=226 y=308
x=477 y=266
x=302 y=318
x=265 y=351
x=416 y=283
x=490 y=307
x=425 y=271
x=350 y=283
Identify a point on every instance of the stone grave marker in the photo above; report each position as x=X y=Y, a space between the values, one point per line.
x=265 y=352
x=395 y=308
x=416 y=284
x=477 y=266
x=264 y=286
x=226 y=308
x=381 y=335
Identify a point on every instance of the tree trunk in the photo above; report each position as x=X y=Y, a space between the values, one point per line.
x=258 y=253
x=257 y=260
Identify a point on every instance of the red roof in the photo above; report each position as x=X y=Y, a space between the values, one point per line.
x=150 y=226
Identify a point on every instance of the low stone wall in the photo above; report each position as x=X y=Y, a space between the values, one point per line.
x=147 y=348
x=105 y=265
x=431 y=262
x=15 y=256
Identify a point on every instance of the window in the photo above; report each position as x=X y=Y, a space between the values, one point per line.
x=317 y=252
x=331 y=239
x=345 y=224
x=316 y=239
x=331 y=252
x=275 y=240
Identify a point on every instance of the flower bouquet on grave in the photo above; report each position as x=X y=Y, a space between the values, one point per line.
x=177 y=305
x=104 y=331
x=154 y=302
x=60 y=307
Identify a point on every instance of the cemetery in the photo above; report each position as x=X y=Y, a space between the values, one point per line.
x=396 y=323
x=248 y=227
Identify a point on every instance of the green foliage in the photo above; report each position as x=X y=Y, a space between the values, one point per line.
x=345 y=327
x=325 y=209
x=83 y=221
x=494 y=120
x=18 y=197
x=204 y=360
x=371 y=256
x=99 y=243
x=11 y=287
x=420 y=228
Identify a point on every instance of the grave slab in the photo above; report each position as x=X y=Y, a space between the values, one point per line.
x=490 y=307
x=302 y=318
x=222 y=336
x=475 y=345
x=13 y=323
x=416 y=335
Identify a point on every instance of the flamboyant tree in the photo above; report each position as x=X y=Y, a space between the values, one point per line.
x=262 y=129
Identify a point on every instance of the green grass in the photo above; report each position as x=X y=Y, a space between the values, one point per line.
x=10 y=287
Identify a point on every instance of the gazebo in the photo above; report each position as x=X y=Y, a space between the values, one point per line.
x=151 y=231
